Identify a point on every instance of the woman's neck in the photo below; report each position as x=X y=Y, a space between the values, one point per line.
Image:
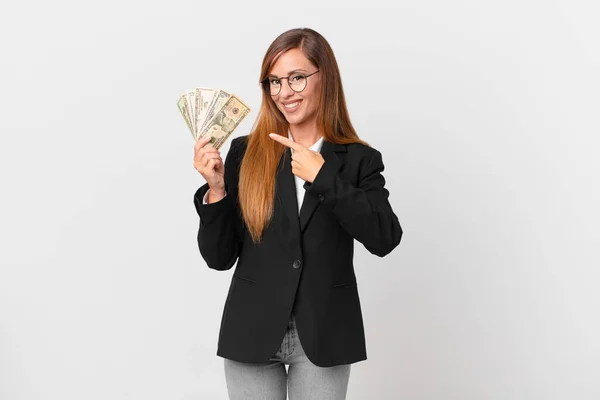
x=305 y=135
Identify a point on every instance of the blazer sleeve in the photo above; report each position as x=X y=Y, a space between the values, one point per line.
x=220 y=227
x=363 y=211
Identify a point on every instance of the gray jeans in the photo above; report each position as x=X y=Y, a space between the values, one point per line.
x=271 y=381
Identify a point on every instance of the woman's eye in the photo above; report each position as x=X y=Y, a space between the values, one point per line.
x=297 y=78
x=274 y=81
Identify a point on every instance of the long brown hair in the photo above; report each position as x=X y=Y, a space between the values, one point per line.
x=259 y=165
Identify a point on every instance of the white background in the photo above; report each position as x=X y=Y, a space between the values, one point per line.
x=486 y=113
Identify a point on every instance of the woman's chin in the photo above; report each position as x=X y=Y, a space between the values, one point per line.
x=294 y=119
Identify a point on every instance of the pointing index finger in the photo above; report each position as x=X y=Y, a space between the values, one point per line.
x=286 y=142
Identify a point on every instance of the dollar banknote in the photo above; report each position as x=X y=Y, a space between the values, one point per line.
x=183 y=108
x=224 y=121
x=211 y=111
x=191 y=103
x=219 y=99
x=204 y=98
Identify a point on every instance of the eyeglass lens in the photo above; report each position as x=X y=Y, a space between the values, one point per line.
x=297 y=83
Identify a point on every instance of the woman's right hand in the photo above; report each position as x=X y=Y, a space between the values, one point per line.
x=207 y=161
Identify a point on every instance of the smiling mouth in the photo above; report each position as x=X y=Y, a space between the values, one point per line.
x=291 y=106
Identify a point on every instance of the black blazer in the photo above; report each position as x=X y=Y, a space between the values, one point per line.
x=305 y=262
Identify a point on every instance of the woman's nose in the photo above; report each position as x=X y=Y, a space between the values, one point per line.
x=286 y=90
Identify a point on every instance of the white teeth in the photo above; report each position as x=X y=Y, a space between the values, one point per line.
x=291 y=105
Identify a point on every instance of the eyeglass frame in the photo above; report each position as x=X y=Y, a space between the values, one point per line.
x=289 y=84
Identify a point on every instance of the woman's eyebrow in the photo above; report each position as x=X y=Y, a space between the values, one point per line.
x=289 y=73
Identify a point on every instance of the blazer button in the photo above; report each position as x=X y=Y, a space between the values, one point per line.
x=321 y=198
x=296 y=264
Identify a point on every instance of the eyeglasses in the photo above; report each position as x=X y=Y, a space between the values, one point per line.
x=296 y=81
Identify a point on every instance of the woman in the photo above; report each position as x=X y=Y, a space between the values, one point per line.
x=287 y=205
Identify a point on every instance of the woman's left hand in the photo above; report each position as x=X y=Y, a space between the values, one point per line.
x=306 y=163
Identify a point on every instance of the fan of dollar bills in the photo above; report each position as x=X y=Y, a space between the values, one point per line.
x=212 y=112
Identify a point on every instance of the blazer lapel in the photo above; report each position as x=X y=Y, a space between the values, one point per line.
x=309 y=203
x=293 y=224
